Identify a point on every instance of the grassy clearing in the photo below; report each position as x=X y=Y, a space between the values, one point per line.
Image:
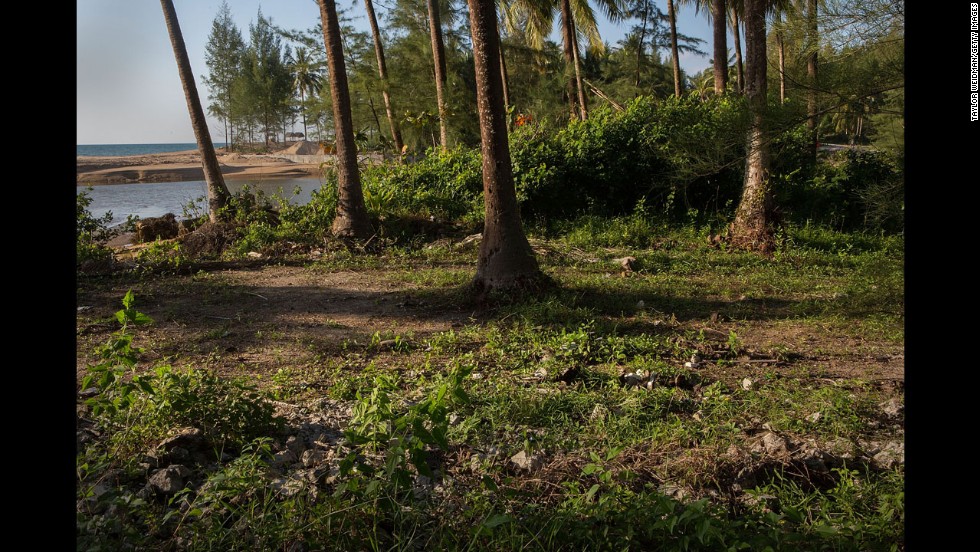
x=705 y=400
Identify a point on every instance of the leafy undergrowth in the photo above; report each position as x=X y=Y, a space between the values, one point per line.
x=690 y=399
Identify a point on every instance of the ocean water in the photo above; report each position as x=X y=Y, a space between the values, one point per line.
x=155 y=199
x=108 y=150
x=145 y=200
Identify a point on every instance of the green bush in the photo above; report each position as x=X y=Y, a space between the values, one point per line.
x=850 y=190
x=675 y=155
x=445 y=185
x=91 y=233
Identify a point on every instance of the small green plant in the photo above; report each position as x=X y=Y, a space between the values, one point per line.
x=167 y=255
x=118 y=356
x=146 y=406
x=734 y=343
x=403 y=438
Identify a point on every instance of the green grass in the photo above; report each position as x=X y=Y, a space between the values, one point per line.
x=674 y=467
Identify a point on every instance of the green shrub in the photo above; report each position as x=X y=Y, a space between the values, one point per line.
x=850 y=190
x=91 y=233
x=142 y=408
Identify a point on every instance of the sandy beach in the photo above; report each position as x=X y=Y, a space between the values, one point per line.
x=185 y=166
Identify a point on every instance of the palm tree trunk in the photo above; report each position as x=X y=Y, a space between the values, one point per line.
x=503 y=73
x=752 y=228
x=302 y=108
x=639 y=47
x=720 y=62
x=351 y=221
x=439 y=59
x=672 y=16
x=217 y=191
x=505 y=259
x=568 y=40
x=740 y=78
x=782 y=66
x=811 y=69
x=396 y=133
x=583 y=105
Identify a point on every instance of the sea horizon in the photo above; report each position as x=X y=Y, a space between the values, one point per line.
x=112 y=150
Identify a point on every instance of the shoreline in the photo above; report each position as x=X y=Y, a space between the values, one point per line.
x=185 y=166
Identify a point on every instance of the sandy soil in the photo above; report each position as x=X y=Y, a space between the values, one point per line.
x=184 y=166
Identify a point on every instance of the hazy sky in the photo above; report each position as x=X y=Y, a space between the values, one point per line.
x=128 y=89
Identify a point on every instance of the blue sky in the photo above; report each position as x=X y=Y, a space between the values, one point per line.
x=128 y=89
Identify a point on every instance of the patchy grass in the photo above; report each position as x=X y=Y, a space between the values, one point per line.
x=703 y=400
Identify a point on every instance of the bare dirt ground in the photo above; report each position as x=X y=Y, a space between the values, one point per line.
x=265 y=315
x=254 y=318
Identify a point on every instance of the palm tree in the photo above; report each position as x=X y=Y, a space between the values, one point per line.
x=781 y=47
x=396 y=133
x=439 y=60
x=675 y=61
x=306 y=78
x=576 y=17
x=351 y=221
x=217 y=191
x=776 y=9
x=506 y=260
x=812 y=46
x=735 y=8
x=752 y=228
x=719 y=37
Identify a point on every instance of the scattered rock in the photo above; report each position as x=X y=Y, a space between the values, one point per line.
x=814 y=418
x=478 y=461
x=599 y=413
x=169 y=480
x=284 y=458
x=893 y=408
x=673 y=491
x=287 y=486
x=638 y=379
x=525 y=461
x=296 y=445
x=748 y=384
x=313 y=457
x=774 y=445
x=541 y=373
x=254 y=254
x=628 y=264
x=813 y=458
x=470 y=241
x=188 y=438
x=891 y=455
